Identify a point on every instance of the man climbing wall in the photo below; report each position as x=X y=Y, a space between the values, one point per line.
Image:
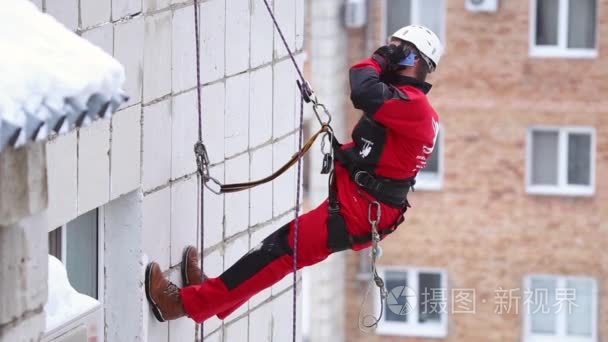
x=390 y=145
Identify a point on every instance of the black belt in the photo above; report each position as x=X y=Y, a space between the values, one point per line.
x=389 y=191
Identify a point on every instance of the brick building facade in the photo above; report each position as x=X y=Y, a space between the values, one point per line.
x=504 y=214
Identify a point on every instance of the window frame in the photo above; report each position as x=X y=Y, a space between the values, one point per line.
x=562 y=188
x=561 y=50
x=414 y=328
x=415 y=20
x=434 y=180
x=97 y=313
x=561 y=281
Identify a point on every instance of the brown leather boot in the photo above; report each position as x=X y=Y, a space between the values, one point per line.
x=163 y=295
x=191 y=270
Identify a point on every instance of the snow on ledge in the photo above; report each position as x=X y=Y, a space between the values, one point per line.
x=64 y=304
x=52 y=80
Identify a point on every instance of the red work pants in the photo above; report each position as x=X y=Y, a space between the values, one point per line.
x=272 y=260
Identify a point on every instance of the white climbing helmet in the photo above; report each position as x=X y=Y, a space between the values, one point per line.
x=425 y=40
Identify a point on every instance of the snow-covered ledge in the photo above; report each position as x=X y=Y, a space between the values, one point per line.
x=52 y=80
x=67 y=309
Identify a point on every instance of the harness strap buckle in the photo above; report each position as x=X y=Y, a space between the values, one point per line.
x=362 y=178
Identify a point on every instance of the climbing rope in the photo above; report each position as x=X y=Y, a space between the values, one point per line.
x=297 y=223
x=199 y=147
x=376 y=280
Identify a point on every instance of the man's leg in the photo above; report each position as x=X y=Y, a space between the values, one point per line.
x=261 y=267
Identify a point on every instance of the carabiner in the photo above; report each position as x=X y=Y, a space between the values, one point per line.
x=370 y=211
x=325 y=112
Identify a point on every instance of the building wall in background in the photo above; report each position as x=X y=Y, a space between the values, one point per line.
x=482 y=226
x=143 y=157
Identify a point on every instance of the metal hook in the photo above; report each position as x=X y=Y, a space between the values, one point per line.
x=206 y=183
x=325 y=112
x=329 y=136
x=370 y=212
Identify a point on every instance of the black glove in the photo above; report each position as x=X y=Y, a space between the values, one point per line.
x=389 y=56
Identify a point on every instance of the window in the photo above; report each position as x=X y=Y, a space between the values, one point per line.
x=77 y=247
x=560 y=308
x=416 y=304
x=431 y=177
x=561 y=161
x=429 y=13
x=563 y=28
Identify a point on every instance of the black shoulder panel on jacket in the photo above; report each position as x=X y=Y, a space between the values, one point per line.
x=369 y=93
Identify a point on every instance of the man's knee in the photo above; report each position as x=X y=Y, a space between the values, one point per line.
x=273 y=247
x=277 y=243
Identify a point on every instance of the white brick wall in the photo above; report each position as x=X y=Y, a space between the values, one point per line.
x=184 y=134
x=102 y=36
x=184 y=52
x=123 y=8
x=65 y=11
x=261 y=30
x=260 y=209
x=129 y=50
x=157 y=226
x=94 y=166
x=146 y=149
x=184 y=217
x=156 y=144
x=125 y=165
x=213 y=26
x=260 y=105
x=284 y=95
x=285 y=12
x=260 y=324
x=214 y=211
x=155 y=5
x=237 y=114
x=157 y=56
x=237 y=204
x=62 y=174
x=94 y=12
x=284 y=186
x=237 y=37
x=237 y=331
x=182 y=330
x=213 y=125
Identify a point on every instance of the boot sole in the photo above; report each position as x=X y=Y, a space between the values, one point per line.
x=154 y=307
x=184 y=269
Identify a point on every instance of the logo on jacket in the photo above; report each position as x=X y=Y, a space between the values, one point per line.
x=366 y=149
x=429 y=149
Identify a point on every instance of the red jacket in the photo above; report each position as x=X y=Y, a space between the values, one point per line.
x=398 y=132
x=393 y=139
